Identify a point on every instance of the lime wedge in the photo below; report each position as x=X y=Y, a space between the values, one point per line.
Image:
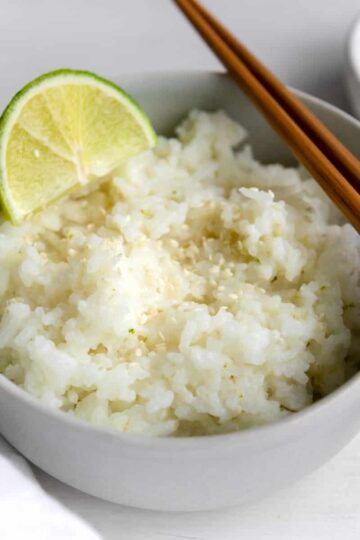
x=65 y=128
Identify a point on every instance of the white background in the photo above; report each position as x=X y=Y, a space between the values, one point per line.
x=303 y=42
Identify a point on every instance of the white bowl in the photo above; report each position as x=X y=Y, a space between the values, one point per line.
x=200 y=472
x=352 y=71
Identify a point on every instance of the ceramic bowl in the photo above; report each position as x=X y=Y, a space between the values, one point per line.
x=201 y=472
x=352 y=66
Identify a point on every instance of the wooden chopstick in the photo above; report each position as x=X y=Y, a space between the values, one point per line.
x=322 y=167
x=343 y=159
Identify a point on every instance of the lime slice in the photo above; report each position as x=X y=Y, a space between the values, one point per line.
x=64 y=128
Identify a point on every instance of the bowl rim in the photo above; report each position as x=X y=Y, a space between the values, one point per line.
x=279 y=428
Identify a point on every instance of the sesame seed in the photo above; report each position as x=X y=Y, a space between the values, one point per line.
x=143 y=319
x=73 y=397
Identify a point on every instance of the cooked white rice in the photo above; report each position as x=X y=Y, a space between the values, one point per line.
x=196 y=292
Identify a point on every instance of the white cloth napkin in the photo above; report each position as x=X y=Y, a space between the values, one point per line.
x=27 y=511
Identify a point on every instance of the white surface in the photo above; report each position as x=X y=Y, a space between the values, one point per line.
x=302 y=42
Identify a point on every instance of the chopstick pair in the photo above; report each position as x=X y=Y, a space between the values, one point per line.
x=334 y=167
